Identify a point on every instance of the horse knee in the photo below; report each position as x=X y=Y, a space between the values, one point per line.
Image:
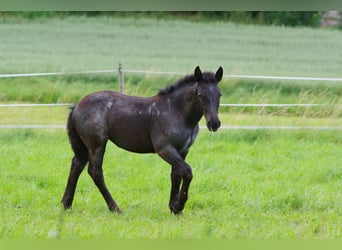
x=176 y=174
x=77 y=166
x=95 y=173
x=91 y=171
x=187 y=174
x=184 y=173
x=79 y=162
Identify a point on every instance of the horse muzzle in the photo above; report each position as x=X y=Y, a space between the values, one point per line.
x=213 y=124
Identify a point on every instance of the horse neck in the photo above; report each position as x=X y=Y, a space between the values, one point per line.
x=187 y=105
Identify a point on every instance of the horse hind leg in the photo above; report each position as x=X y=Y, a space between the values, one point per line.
x=78 y=162
x=96 y=173
x=77 y=165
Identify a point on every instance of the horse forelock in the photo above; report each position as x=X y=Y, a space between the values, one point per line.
x=188 y=80
x=209 y=77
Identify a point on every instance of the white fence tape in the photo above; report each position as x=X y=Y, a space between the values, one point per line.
x=57 y=73
x=14 y=105
x=253 y=127
x=296 y=78
x=271 y=105
x=224 y=127
x=17 y=126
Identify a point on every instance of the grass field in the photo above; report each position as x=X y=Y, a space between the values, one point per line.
x=249 y=184
x=80 y=43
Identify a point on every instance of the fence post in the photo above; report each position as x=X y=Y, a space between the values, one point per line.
x=121 y=79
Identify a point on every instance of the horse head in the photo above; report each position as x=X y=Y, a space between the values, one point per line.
x=208 y=96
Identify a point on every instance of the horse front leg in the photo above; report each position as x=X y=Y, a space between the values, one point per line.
x=176 y=179
x=178 y=197
x=181 y=173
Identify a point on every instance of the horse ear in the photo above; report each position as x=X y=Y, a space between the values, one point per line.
x=198 y=74
x=219 y=74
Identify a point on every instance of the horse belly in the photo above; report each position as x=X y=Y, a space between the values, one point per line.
x=132 y=137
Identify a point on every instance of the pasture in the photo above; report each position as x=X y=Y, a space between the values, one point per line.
x=248 y=184
x=81 y=43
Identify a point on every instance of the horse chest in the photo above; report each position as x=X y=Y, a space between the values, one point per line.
x=186 y=144
x=184 y=139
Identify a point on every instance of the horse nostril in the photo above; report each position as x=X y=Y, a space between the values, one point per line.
x=219 y=124
x=213 y=125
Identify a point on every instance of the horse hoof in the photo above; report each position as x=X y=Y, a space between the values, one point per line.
x=66 y=205
x=178 y=213
x=115 y=209
x=176 y=210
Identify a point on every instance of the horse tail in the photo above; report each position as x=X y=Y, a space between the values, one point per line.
x=77 y=145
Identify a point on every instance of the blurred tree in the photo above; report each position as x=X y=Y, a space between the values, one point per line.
x=292 y=18
x=285 y=18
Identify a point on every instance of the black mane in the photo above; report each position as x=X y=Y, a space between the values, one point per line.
x=188 y=80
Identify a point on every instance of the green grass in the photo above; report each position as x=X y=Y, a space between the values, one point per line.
x=247 y=184
x=81 y=43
